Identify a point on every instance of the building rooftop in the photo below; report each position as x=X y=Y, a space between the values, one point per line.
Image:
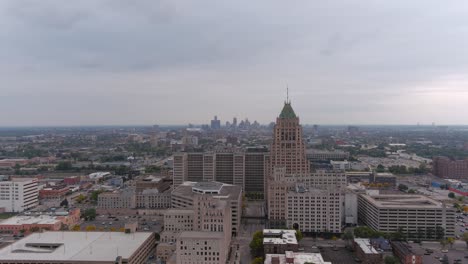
x=365 y=245
x=29 y=220
x=225 y=190
x=287 y=111
x=279 y=236
x=74 y=246
x=401 y=201
x=299 y=258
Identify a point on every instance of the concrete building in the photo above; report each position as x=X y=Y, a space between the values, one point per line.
x=202 y=233
x=161 y=183
x=295 y=258
x=450 y=169
x=314 y=210
x=296 y=199
x=195 y=247
x=385 y=179
x=244 y=168
x=18 y=194
x=153 y=199
x=278 y=241
x=117 y=199
x=183 y=197
x=415 y=215
x=325 y=155
x=80 y=247
x=366 y=252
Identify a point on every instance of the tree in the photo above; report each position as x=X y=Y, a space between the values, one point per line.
x=157 y=236
x=80 y=198
x=90 y=228
x=412 y=191
x=450 y=241
x=366 y=232
x=64 y=203
x=76 y=228
x=420 y=233
x=64 y=166
x=430 y=232
x=400 y=234
x=256 y=245
x=390 y=260
x=402 y=187
x=257 y=260
x=465 y=238
x=380 y=168
x=451 y=195
x=299 y=235
x=443 y=243
x=439 y=232
x=34 y=229
x=348 y=236
x=94 y=196
x=89 y=214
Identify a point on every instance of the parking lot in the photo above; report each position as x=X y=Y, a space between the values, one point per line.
x=432 y=252
x=461 y=225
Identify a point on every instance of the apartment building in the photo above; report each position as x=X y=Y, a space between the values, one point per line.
x=18 y=194
x=416 y=216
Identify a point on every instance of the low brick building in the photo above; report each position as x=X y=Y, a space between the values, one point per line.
x=366 y=252
x=406 y=255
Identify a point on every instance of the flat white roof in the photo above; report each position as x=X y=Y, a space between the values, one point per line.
x=75 y=246
x=30 y=219
x=279 y=236
x=299 y=258
x=365 y=245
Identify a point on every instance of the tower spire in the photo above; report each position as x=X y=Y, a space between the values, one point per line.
x=287 y=94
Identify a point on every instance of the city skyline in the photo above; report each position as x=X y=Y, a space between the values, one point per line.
x=169 y=62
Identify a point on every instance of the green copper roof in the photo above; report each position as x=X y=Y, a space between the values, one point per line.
x=287 y=111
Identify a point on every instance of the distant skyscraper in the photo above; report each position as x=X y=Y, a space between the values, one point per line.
x=215 y=123
x=234 y=122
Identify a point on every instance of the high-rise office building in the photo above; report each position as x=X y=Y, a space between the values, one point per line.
x=287 y=157
x=288 y=147
x=244 y=168
x=18 y=194
x=215 y=123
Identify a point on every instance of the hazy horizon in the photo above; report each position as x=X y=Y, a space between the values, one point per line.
x=100 y=63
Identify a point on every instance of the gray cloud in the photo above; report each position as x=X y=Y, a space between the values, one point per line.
x=183 y=61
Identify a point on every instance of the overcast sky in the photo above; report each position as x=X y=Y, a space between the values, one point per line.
x=96 y=62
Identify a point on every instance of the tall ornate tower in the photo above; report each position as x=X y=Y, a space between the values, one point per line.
x=287 y=156
x=288 y=148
